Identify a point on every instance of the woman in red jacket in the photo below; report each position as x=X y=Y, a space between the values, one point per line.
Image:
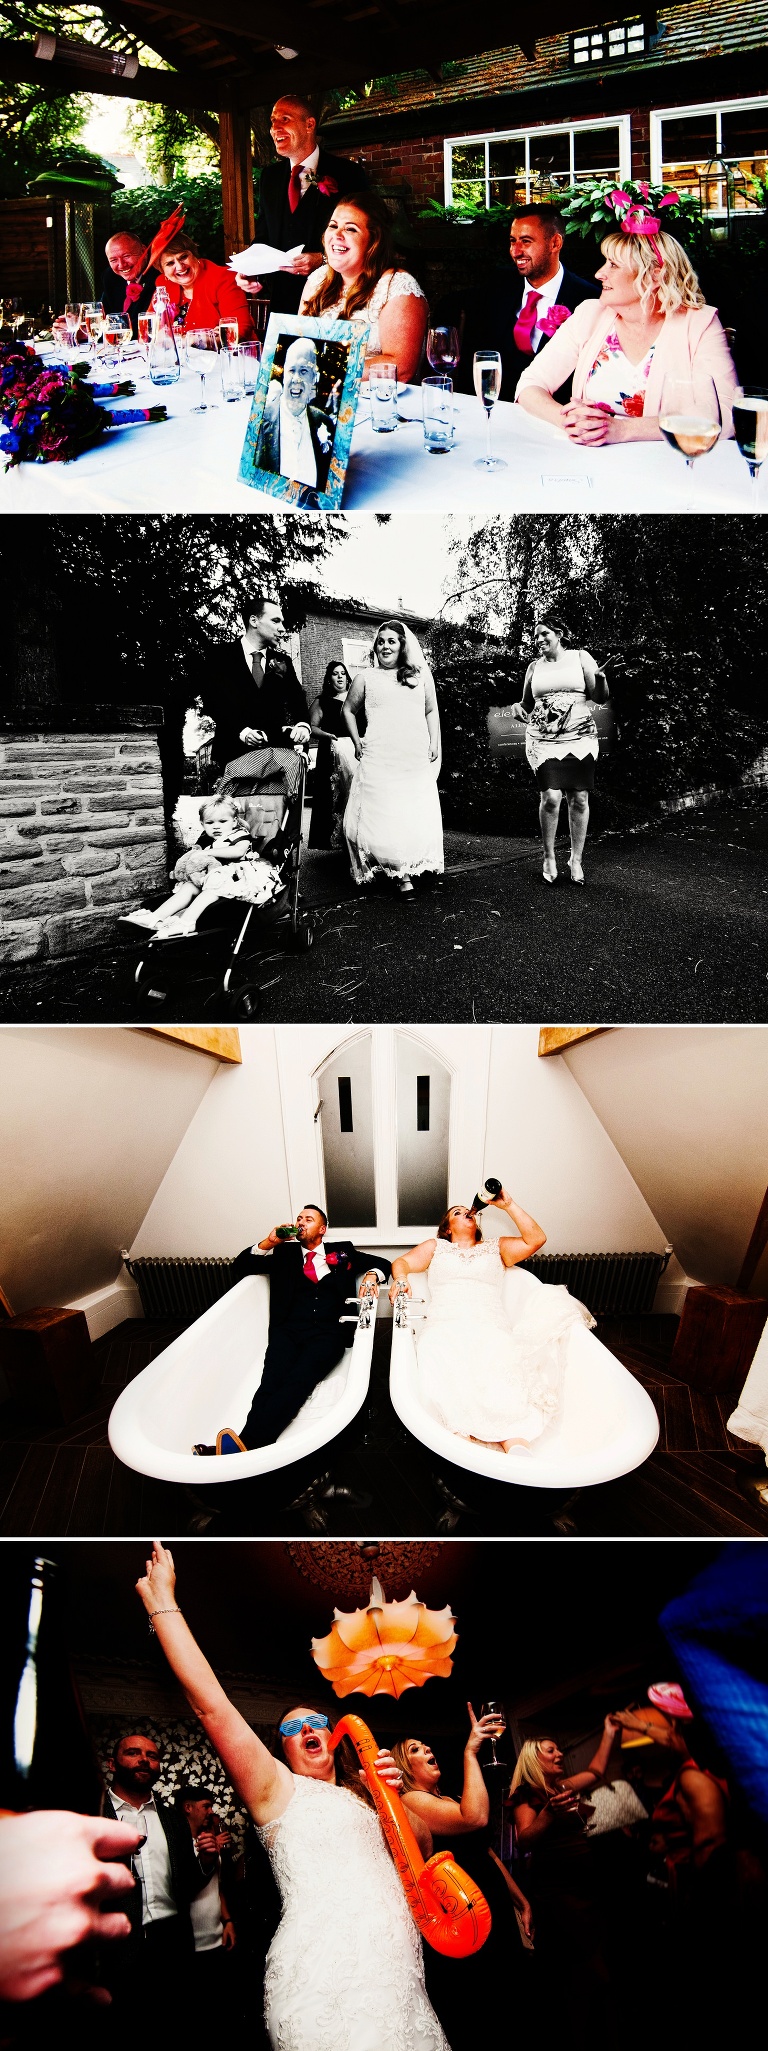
x=204 y=292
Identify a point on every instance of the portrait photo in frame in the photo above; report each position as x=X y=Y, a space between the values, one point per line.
x=299 y=433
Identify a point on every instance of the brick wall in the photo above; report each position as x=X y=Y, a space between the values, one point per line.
x=82 y=838
x=418 y=164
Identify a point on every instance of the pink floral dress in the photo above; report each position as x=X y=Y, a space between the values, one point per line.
x=616 y=383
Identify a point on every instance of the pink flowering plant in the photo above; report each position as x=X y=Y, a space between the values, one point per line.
x=635 y=207
x=49 y=412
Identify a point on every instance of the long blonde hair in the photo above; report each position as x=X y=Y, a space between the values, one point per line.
x=401 y=1759
x=672 y=283
x=529 y=1767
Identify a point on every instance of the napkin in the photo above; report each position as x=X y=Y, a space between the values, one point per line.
x=260 y=258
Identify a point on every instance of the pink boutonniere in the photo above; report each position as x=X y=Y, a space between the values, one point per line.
x=327 y=186
x=553 y=319
x=332 y=1259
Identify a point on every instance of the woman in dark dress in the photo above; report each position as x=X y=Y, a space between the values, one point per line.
x=335 y=764
x=550 y=1813
x=465 y=1992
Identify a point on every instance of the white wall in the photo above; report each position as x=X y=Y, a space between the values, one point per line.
x=688 y=1108
x=227 y=1183
x=90 y=1117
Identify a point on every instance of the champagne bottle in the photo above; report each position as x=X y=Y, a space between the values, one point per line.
x=47 y=1760
x=491 y=1188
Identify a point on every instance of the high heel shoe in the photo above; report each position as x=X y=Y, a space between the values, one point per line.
x=549 y=872
x=574 y=865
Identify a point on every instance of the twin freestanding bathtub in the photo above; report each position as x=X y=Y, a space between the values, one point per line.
x=606 y=1425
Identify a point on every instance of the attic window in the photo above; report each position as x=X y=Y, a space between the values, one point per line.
x=602 y=45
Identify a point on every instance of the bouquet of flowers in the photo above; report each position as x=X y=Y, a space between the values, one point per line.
x=50 y=414
x=635 y=207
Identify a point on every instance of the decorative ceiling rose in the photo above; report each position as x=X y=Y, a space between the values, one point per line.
x=387 y=1647
x=345 y=1568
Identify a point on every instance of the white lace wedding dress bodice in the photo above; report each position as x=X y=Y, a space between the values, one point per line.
x=392 y=285
x=344 y=1971
x=393 y=823
x=485 y=1378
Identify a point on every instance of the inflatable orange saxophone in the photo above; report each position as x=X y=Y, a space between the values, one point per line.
x=449 y=1909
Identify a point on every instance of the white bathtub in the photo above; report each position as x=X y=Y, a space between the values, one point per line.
x=606 y=1424
x=206 y=1379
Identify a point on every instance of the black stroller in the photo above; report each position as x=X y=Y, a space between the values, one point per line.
x=223 y=957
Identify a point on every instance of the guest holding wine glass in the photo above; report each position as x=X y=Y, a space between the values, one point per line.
x=650 y=322
x=361 y=281
x=561 y=741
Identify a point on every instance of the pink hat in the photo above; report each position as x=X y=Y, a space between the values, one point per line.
x=668 y=1695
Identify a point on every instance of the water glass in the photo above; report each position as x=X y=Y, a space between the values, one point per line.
x=250 y=357
x=437 y=401
x=231 y=367
x=382 y=387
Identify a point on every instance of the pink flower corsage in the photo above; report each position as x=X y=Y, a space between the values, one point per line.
x=553 y=319
x=327 y=186
x=332 y=1259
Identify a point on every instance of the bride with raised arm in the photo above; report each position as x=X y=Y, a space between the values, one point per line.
x=497 y=1384
x=344 y=1969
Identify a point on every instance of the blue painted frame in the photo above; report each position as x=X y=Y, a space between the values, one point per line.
x=285 y=488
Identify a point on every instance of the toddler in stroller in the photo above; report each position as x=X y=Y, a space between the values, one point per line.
x=223 y=863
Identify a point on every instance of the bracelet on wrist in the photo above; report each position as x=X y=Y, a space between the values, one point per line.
x=174 y=1611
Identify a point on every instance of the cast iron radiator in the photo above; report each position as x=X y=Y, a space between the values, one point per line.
x=184 y=1287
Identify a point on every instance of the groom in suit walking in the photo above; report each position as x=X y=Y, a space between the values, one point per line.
x=309 y=1285
x=520 y=307
x=297 y=196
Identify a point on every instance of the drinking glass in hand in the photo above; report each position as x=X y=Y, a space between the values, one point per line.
x=443 y=349
x=487 y=379
x=750 y=426
x=497 y=1711
x=689 y=417
x=202 y=351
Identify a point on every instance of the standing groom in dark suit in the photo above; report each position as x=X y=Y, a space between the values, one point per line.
x=249 y=687
x=519 y=308
x=308 y=1288
x=297 y=196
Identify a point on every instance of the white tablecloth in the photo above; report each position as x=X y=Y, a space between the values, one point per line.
x=189 y=464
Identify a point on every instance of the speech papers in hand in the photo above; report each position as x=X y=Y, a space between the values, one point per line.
x=261 y=258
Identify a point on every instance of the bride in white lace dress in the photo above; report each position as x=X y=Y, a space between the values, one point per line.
x=344 y=1971
x=487 y=1380
x=361 y=281
x=392 y=824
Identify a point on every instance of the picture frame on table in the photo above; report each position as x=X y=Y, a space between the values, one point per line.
x=299 y=434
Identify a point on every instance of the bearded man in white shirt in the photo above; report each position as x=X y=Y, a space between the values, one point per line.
x=150 y=1974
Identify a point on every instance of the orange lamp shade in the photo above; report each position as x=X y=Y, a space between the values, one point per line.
x=386 y=1648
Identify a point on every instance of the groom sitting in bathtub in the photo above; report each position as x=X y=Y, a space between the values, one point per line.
x=309 y=1285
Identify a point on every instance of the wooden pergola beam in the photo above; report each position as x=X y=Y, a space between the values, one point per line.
x=137 y=25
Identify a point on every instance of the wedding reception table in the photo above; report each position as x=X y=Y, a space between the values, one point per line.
x=189 y=464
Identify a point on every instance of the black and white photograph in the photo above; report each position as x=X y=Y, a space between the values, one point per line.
x=469 y=769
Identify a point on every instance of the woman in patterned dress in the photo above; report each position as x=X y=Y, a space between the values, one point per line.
x=561 y=742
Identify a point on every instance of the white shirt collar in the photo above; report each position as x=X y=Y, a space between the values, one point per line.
x=548 y=293
x=124 y=1802
x=311 y=162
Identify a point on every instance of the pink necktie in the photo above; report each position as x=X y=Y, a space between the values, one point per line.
x=294 y=188
x=309 y=1268
x=525 y=324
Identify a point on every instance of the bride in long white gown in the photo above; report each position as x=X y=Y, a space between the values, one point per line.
x=344 y=1970
x=488 y=1380
x=393 y=824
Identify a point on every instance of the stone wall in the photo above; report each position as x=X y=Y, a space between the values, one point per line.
x=82 y=838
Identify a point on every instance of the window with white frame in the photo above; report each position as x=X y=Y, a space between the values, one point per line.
x=602 y=45
x=514 y=167
x=685 y=141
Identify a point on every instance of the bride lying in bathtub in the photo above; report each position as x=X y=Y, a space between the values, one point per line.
x=488 y=1381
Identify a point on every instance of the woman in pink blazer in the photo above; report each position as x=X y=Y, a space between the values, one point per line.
x=650 y=323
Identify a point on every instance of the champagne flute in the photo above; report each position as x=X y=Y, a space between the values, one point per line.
x=498 y=1712
x=145 y=328
x=689 y=417
x=443 y=348
x=750 y=426
x=202 y=351
x=487 y=380
x=92 y=317
x=229 y=332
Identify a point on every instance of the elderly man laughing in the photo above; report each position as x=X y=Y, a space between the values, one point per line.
x=296 y=437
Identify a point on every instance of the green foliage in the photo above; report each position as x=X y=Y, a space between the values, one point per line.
x=172 y=143
x=141 y=210
x=593 y=210
x=35 y=129
x=466 y=210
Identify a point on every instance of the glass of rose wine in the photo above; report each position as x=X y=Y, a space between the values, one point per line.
x=689 y=417
x=750 y=426
x=487 y=379
x=499 y=1714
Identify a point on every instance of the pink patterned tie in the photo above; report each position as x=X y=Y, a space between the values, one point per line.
x=525 y=324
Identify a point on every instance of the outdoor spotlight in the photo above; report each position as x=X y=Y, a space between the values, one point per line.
x=283 y=51
x=119 y=63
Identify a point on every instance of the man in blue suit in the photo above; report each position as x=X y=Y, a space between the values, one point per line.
x=308 y=1287
x=520 y=307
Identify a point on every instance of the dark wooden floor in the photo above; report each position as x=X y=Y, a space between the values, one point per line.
x=66 y=1481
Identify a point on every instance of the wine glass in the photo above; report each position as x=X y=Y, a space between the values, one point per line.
x=202 y=351
x=116 y=329
x=689 y=417
x=443 y=348
x=497 y=1711
x=229 y=332
x=145 y=328
x=72 y=312
x=487 y=379
x=750 y=426
x=92 y=319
